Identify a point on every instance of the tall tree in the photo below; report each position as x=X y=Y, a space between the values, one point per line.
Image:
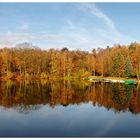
x=128 y=68
x=118 y=65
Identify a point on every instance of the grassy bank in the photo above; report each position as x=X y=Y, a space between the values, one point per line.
x=111 y=79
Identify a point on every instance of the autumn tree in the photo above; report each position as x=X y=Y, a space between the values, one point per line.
x=128 y=68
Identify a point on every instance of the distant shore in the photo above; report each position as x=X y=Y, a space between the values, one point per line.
x=112 y=79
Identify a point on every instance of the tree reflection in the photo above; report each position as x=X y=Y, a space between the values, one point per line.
x=26 y=96
x=27 y=109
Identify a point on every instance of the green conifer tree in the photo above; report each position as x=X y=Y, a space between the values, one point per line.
x=128 y=68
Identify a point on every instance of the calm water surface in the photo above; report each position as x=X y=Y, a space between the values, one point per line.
x=69 y=109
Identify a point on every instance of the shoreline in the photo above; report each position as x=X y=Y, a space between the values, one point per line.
x=112 y=79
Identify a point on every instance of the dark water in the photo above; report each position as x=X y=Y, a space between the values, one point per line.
x=69 y=109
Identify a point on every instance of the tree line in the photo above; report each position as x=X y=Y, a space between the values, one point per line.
x=28 y=61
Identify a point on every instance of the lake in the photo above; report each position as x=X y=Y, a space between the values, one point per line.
x=69 y=109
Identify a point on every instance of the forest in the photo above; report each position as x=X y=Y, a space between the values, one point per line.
x=26 y=61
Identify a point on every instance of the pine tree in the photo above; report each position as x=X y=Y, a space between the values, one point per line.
x=118 y=65
x=128 y=68
x=115 y=66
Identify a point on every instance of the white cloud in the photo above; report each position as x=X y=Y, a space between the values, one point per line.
x=77 y=37
x=10 y=39
x=49 y=37
x=103 y=36
x=73 y=35
x=23 y=27
x=98 y=13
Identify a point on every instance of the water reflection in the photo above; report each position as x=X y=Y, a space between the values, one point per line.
x=27 y=96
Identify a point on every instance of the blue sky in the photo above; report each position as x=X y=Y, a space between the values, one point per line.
x=73 y=25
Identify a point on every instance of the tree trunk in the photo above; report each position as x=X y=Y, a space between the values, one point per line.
x=137 y=75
